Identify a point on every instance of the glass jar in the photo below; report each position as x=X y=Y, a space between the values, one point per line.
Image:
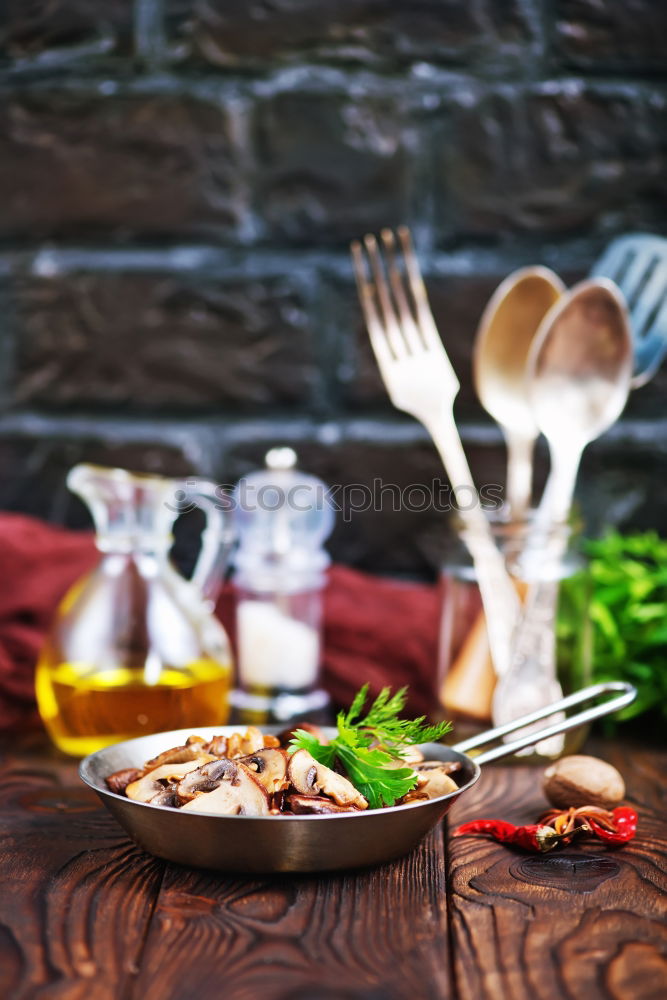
x=467 y=687
x=279 y=654
x=283 y=517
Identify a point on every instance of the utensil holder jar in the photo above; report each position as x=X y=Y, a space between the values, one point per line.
x=465 y=675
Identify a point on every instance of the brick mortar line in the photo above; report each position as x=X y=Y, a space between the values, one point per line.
x=369 y=429
x=254 y=262
x=418 y=80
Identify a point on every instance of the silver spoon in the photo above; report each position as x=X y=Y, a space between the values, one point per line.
x=578 y=377
x=504 y=337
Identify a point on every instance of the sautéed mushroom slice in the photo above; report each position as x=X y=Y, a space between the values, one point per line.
x=151 y=784
x=310 y=777
x=269 y=767
x=235 y=790
x=433 y=780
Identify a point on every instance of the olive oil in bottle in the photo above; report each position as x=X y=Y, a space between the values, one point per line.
x=135 y=647
x=85 y=709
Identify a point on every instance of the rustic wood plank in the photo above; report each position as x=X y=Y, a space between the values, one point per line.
x=75 y=895
x=583 y=922
x=376 y=935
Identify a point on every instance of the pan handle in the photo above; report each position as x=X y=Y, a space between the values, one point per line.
x=626 y=694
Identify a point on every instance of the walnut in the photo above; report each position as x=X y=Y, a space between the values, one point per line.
x=583 y=781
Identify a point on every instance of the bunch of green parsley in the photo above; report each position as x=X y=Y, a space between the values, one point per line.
x=370 y=747
x=628 y=610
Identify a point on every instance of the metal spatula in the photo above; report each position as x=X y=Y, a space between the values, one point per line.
x=638 y=264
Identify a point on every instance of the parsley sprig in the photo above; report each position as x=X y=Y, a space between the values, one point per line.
x=628 y=612
x=369 y=748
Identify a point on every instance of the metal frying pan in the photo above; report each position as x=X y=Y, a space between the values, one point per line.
x=265 y=844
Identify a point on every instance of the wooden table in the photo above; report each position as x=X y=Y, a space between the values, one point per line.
x=84 y=914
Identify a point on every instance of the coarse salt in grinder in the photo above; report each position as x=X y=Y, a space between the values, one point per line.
x=283 y=516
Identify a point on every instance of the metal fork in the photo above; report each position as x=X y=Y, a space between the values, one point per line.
x=421 y=381
x=638 y=264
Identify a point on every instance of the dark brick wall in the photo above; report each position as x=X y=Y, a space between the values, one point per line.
x=180 y=180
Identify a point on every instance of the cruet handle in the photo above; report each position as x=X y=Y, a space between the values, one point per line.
x=217 y=540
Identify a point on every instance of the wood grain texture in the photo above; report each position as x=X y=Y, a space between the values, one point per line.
x=376 y=934
x=592 y=922
x=75 y=895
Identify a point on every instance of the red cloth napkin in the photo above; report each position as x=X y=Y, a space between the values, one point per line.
x=376 y=630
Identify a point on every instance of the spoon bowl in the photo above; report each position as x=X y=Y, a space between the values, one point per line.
x=578 y=380
x=502 y=345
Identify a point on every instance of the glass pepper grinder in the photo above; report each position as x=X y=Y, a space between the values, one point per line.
x=283 y=516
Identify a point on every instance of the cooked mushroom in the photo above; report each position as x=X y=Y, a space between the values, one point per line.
x=411 y=758
x=240 y=744
x=217 y=746
x=206 y=778
x=119 y=780
x=446 y=766
x=177 y=755
x=167 y=797
x=156 y=780
x=236 y=792
x=412 y=796
x=315 y=804
x=287 y=734
x=310 y=777
x=433 y=780
x=270 y=767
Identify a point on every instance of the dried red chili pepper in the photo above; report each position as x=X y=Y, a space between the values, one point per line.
x=615 y=827
x=535 y=837
x=555 y=827
x=624 y=820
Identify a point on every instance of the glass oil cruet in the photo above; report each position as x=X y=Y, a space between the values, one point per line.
x=135 y=647
x=283 y=517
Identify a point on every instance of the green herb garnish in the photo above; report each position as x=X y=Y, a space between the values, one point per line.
x=629 y=614
x=368 y=748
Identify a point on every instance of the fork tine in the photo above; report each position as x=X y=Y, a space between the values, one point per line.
x=621 y=253
x=615 y=260
x=636 y=276
x=373 y=324
x=391 y=325
x=364 y=287
x=408 y=325
x=653 y=293
x=424 y=315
